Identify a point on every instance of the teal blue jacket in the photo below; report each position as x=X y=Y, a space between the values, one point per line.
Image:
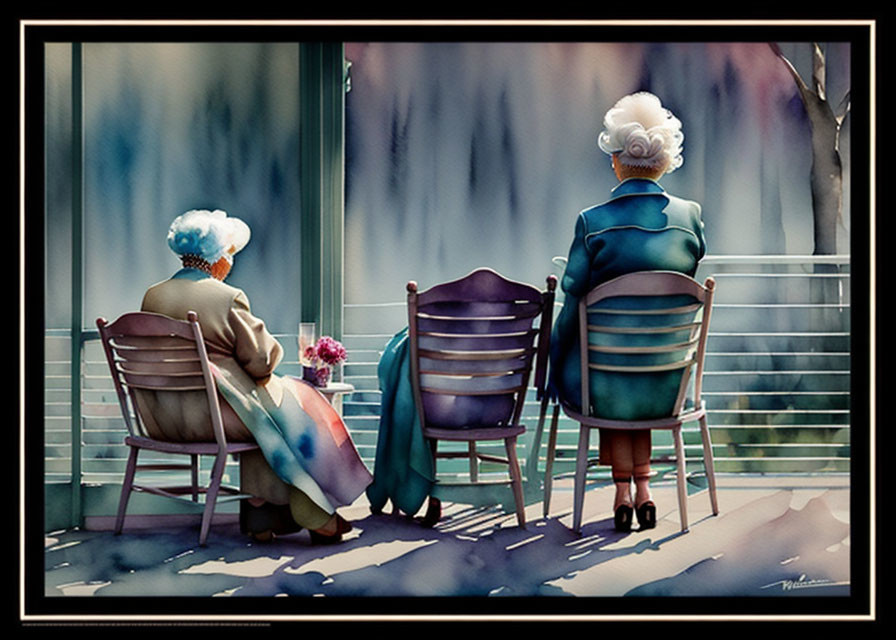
x=641 y=228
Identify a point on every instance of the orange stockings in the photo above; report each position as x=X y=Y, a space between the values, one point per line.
x=630 y=453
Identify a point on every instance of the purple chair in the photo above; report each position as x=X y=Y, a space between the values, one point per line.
x=473 y=342
x=156 y=353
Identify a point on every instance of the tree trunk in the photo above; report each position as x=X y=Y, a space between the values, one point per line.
x=826 y=183
x=826 y=178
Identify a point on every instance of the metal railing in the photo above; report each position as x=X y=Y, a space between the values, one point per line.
x=777 y=373
x=777 y=380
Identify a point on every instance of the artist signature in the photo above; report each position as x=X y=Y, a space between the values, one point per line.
x=803 y=583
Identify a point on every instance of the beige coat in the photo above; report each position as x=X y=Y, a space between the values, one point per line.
x=247 y=354
x=237 y=342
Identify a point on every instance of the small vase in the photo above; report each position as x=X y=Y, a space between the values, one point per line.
x=318 y=376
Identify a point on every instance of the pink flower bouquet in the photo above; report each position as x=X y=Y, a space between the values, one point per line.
x=322 y=356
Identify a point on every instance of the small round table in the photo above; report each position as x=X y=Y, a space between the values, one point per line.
x=334 y=391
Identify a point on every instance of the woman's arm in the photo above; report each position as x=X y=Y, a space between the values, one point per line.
x=575 y=278
x=575 y=285
x=256 y=350
x=699 y=230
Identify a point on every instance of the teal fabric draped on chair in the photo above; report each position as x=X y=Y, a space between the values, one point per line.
x=403 y=469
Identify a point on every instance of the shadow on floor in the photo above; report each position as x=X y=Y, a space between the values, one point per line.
x=768 y=541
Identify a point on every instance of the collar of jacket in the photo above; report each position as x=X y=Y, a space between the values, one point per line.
x=637 y=186
x=189 y=273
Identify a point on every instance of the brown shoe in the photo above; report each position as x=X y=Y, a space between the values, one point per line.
x=262 y=536
x=342 y=525
x=323 y=538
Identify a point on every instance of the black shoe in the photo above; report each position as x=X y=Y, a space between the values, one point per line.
x=622 y=518
x=646 y=515
x=267 y=518
x=433 y=513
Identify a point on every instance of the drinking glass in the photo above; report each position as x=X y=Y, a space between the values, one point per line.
x=307 y=338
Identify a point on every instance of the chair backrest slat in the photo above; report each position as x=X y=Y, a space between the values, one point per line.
x=469 y=373
x=151 y=352
x=467 y=355
x=651 y=323
x=147 y=385
x=126 y=371
x=471 y=392
x=647 y=312
x=639 y=283
x=474 y=338
x=669 y=348
x=461 y=311
x=688 y=326
x=647 y=368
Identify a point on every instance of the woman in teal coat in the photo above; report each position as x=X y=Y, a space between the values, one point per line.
x=641 y=227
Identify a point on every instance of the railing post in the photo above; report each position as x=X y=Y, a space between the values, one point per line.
x=77 y=275
x=309 y=172
x=322 y=100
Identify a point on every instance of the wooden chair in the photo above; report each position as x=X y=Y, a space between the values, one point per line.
x=649 y=322
x=152 y=352
x=472 y=345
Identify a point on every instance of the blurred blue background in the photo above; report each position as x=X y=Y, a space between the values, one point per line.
x=458 y=155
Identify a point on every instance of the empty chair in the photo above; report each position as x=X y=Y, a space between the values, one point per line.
x=472 y=345
x=642 y=340
x=153 y=352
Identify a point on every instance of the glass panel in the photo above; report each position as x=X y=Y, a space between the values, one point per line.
x=171 y=127
x=463 y=155
x=167 y=128
x=58 y=264
x=58 y=139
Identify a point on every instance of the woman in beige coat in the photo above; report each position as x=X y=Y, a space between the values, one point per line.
x=308 y=464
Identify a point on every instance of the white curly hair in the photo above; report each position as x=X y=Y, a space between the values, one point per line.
x=207 y=234
x=643 y=133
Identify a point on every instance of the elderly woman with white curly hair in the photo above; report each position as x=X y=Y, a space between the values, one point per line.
x=307 y=465
x=641 y=227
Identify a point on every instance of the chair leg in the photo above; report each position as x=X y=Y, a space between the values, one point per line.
x=532 y=459
x=434 y=453
x=194 y=476
x=474 y=462
x=516 y=480
x=710 y=466
x=433 y=513
x=682 y=480
x=434 y=506
x=128 y=481
x=581 y=469
x=211 y=497
x=549 y=463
